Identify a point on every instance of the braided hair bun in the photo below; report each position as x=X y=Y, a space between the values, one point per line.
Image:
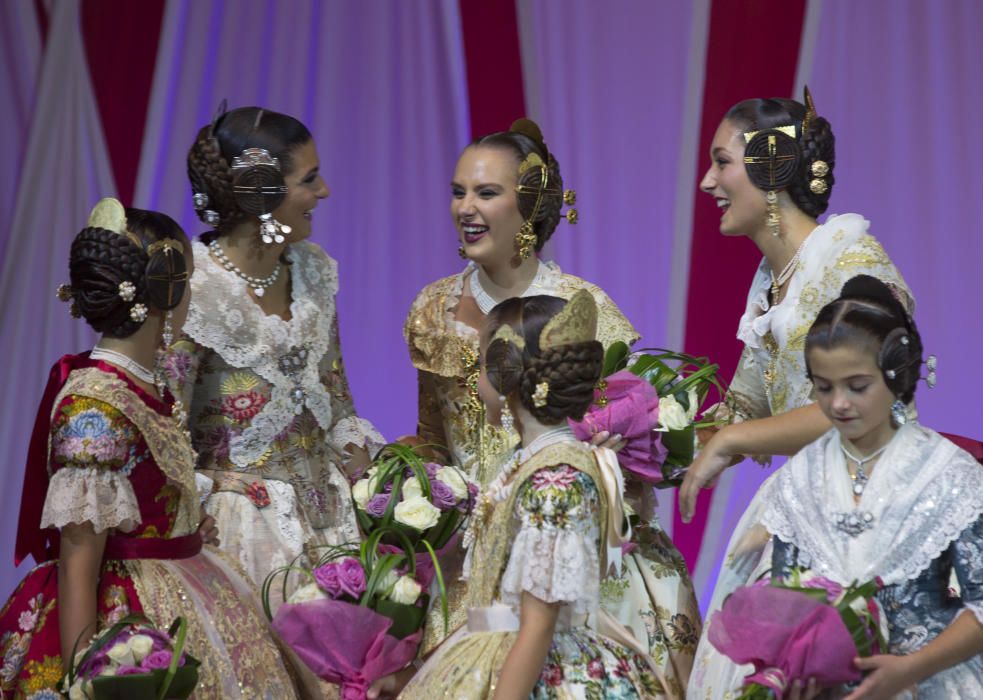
x=570 y=370
x=523 y=138
x=796 y=171
x=218 y=144
x=102 y=260
x=869 y=315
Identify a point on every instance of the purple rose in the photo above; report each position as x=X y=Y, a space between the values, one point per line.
x=442 y=495
x=328 y=579
x=351 y=576
x=467 y=505
x=376 y=506
x=126 y=670
x=431 y=469
x=156 y=660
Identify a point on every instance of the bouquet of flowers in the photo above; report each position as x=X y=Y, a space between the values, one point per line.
x=804 y=627
x=651 y=400
x=424 y=502
x=132 y=659
x=359 y=617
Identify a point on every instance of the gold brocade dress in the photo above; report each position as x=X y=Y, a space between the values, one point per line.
x=654 y=596
x=545 y=536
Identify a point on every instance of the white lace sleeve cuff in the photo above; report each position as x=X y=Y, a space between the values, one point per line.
x=556 y=566
x=356 y=431
x=205 y=485
x=85 y=494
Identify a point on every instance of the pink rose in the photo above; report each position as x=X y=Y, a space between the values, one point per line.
x=156 y=660
x=328 y=579
x=351 y=576
x=552 y=674
x=595 y=669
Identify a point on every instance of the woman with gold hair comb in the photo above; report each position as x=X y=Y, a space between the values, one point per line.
x=772 y=173
x=547 y=528
x=506 y=200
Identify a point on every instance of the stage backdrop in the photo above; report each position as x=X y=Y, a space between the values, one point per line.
x=105 y=96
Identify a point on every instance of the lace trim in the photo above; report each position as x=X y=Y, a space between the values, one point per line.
x=224 y=318
x=926 y=494
x=556 y=566
x=356 y=431
x=89 y=494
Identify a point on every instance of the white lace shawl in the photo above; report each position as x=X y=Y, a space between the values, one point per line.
x=834 y=252
x=88 y=494
x=225 y=318
x=923 y=493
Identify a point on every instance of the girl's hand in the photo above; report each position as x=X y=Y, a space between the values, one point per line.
x=605 y=439
x=208 y=529
x=708 y=465
x=888 y=675
x=809 y=691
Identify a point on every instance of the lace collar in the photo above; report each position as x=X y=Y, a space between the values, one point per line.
x=224 y=318
x=924 y=492
x=760 y=316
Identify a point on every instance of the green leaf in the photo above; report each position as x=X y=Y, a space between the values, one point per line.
x=615 y=358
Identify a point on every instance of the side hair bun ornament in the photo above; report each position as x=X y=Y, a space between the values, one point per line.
x=259 y=188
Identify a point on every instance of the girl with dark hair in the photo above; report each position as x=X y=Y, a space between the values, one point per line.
x=271 y=415
x=772 y=174
x=110 y=508
x=544 y=528
x=883 y=496
x=506 y=200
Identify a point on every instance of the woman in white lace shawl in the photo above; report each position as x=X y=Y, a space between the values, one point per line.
x=270 y=410
x=882 y=496
x=772 y=173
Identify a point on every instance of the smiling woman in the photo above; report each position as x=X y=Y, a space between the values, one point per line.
x=260 y=367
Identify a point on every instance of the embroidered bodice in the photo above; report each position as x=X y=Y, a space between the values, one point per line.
x=445 y=352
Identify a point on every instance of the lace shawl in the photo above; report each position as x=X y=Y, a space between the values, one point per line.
x=924 y=492
x=224 y=318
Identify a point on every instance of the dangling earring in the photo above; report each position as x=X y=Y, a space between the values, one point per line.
x=166 y=340
x=899 y=413
x=525 y=240
x=507 y=419
x=271 y=230
x=460 y=251
x=774 y=220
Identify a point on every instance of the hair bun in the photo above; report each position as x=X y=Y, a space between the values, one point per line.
x=868 y=287
x=530 y=129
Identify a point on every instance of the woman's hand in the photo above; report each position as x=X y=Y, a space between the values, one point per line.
x=208 y=529
x=703 y=472
x=605 y=439
x=808 y=691
x=888 y=675
x=390 y=686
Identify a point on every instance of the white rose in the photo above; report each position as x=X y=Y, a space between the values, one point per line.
x=77 y=691
x=418 y=513
x=694 y=402
x=406 y=591
x=121 y=655
x=453 y=478
x=361 y=492
x=671 y=413
x=306 y=594
x=109 y=670
x=387 y=582
x=140 y=645
x=412 y=488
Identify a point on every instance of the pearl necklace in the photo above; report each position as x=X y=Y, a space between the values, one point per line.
x=786 y=274
x=123 y=362
x=259 y=285
x=861 y=478
x=497 y=490
x=486 y=302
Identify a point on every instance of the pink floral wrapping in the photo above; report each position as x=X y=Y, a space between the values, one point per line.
x=786 y=635
x=631 y=410
x=344 y=643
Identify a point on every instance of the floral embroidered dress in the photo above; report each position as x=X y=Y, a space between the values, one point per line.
x=271 y=415
x=546 y=536
x=925 y=506
x=771 y=379
x=654 y=596
x=118 y=460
